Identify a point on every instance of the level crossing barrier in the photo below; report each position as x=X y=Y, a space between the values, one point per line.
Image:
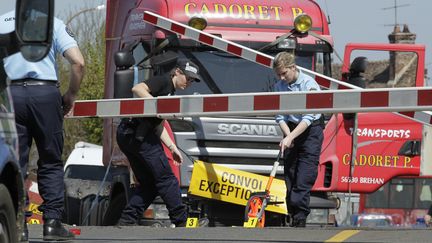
x=266 y=103
x=248 y=104
x=258 y=57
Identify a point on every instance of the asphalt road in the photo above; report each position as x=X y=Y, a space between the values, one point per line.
x=242 y=235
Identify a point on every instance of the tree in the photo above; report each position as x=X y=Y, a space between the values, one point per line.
x=89 y=31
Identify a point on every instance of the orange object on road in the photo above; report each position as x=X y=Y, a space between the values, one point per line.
x=258 y=201
x=75 y=231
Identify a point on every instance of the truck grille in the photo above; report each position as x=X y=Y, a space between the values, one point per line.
x=238 y=144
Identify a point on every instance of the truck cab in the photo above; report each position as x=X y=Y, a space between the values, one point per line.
x=390 y=145
x=136 y=50
x=243 y=143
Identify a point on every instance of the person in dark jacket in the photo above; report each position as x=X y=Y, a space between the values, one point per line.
x=140 y=140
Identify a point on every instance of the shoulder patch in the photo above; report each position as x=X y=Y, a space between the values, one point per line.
x=69 y=31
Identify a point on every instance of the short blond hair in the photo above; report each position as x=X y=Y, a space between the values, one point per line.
x=283 y=60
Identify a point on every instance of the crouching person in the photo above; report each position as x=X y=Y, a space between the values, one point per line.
x=140 y=140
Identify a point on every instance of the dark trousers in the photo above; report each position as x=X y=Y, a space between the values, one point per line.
x=300 y=170
x=39 y=116
x=152 y=170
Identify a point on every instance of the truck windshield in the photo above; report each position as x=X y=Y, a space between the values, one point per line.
x=229 y=74
x=86 y=172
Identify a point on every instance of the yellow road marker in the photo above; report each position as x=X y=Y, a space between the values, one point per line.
x=192 y=222
x=343 y=235
x=251 y=223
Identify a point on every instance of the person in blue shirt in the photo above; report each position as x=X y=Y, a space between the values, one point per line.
x=39 y=112
x=301 y=145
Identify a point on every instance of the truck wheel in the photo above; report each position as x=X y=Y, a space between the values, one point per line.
x=114 y=210
x=88 y=217
x=8 y=231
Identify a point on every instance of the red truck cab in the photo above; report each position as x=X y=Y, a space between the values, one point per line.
x=251 y=23
x=391 y=157
x=136 y=50
x=388 y=143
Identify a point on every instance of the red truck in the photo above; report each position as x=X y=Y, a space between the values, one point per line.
x=390 y=146
x=136 y=50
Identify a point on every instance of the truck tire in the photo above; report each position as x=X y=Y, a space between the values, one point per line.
x=101 y=210
x=71 y=213
x=85 y=208
x=7 y=217
x=96 y=215
x=114 y=210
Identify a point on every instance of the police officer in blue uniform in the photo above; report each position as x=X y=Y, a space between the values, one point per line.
x=140 y=140
x=39 y=111
x=301 y=145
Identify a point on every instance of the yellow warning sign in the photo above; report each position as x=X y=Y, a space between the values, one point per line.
x=234 y=186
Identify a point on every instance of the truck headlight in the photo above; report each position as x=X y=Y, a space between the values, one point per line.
x=197 y=23
x=302 y=23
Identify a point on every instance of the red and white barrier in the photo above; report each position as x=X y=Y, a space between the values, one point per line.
x=258 y=57
x=208 y=39
x=250 y=104
x=234 y=48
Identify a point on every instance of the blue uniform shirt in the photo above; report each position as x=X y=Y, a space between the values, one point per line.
x=18 y=68
x=303 y=83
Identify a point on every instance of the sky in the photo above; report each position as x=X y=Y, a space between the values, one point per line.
x=363 y=21
x=366 y=21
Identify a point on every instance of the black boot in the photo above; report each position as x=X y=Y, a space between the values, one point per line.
x=299 y=223
x=289 y=221
x=24 y=234
x=180 y=225
x=53 y=229
x=123 y=222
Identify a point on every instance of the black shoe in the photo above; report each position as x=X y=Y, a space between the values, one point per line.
x=53 y=229
x=299 y=223
x=203 y=222
x=24 y=234
x=289 y=221
x=123 y=222
x=179 y=225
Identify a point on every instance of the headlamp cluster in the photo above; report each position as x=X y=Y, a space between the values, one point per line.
x=198 y=23
x=302 y=23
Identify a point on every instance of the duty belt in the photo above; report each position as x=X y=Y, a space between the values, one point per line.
x=34 y=82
